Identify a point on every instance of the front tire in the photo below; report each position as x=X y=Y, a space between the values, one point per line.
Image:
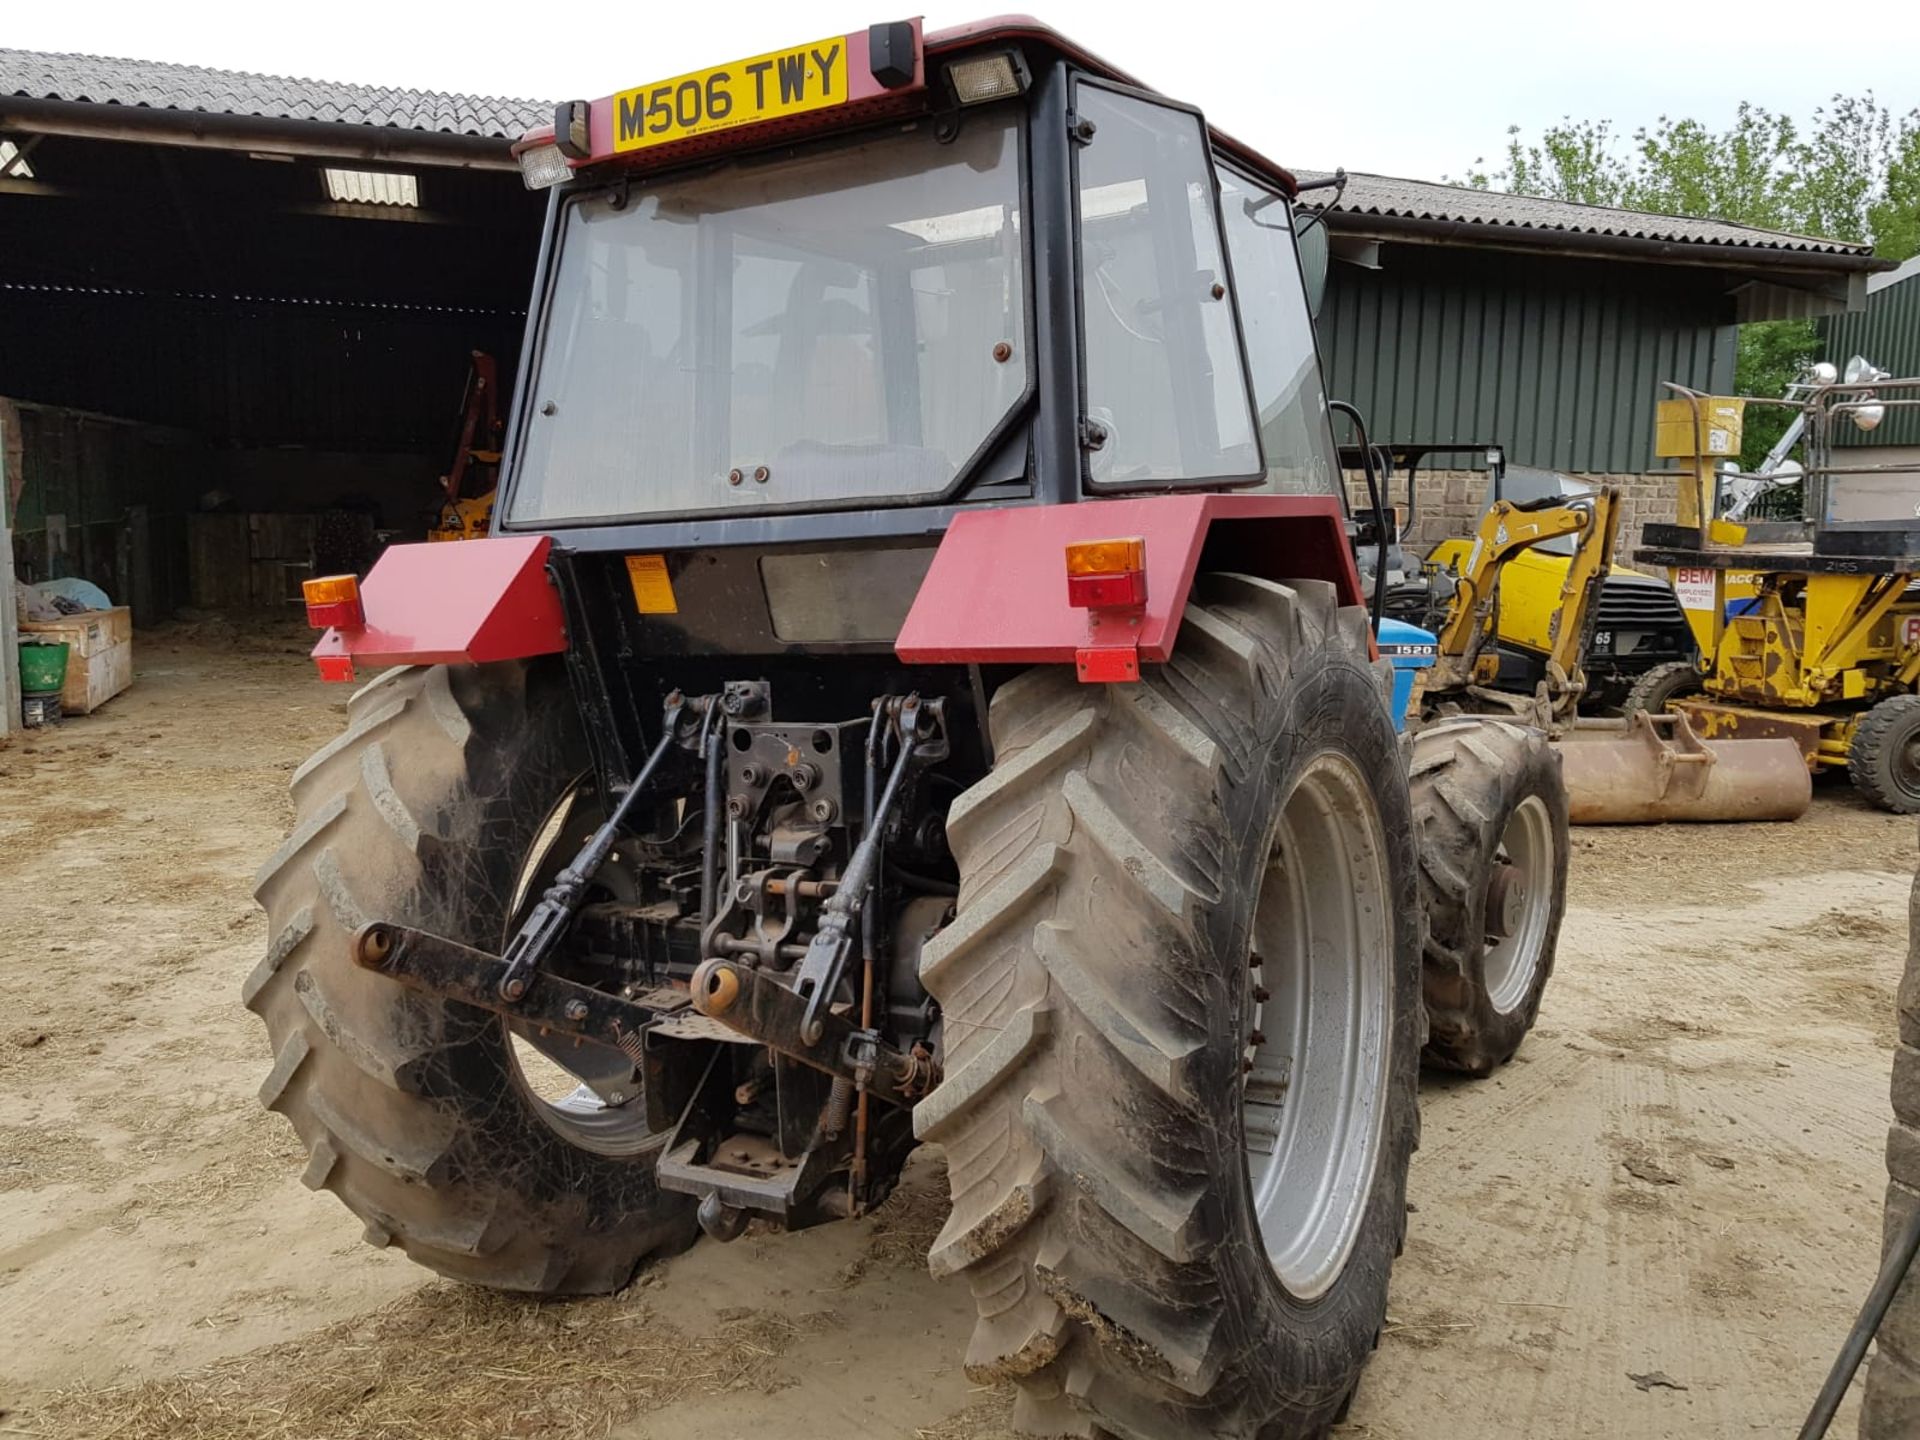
x=1491 y=814
x=1655 y=687
x=1883 y=759
x=414 y=1111
x=1171 y=1222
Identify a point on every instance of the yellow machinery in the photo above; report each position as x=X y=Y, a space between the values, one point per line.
x=1810 y=628
x=1468 y=663
x=466 y=512
x=1616 y=772
x=1637 y=642
x=465 y=519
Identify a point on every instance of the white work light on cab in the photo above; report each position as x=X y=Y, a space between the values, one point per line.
x=545 y=165
x=542 y=166
x=980 y=78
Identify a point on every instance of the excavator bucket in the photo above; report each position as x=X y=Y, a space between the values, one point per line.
x=1651 y=768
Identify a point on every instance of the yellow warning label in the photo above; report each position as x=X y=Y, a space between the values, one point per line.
x=652 y=589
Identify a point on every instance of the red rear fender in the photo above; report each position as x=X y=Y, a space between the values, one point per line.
x=460 y=602
x=997 y=590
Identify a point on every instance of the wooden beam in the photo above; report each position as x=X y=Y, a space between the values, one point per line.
x=318 y=139
x=14 y=185
x=492 y=219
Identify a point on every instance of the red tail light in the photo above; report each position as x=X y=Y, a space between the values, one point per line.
x=1108 y=579
x=1107 y=574
x=1107 y=592
x=333 y=602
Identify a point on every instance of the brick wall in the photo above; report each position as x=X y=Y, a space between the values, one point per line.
x=1450 y=503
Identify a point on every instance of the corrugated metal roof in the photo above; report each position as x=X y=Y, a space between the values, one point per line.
x=1388 y=197
x=101 y=80
x=1908 y=269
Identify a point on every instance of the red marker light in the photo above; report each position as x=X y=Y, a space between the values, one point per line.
x=1107 y=592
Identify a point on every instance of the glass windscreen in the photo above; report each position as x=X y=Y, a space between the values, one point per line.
x=1295 y=433
x=1163 y=370
x=840 y=327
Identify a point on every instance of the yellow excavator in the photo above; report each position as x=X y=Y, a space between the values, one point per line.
x=1644 y=767
x=1636 y=636
x=1463 y=605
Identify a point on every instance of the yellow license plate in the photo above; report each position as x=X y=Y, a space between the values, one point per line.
x=766 y=87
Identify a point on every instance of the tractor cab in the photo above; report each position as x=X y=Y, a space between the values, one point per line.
x=888 y=272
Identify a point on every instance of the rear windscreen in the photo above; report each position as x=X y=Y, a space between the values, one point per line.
x=846 y=326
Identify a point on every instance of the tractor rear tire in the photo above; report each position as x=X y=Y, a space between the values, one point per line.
x=1892 y=1407
x=1152 y=873
x=414 y=1111
x=1491 y=814
x=1655 y=687
x=1884 y=759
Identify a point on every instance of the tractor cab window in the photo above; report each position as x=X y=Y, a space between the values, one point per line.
x=843 y=327
x=1289 y=397
x=1164 y=383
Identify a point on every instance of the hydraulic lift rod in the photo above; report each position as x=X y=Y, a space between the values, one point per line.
x=819 y=974
x=541 y=930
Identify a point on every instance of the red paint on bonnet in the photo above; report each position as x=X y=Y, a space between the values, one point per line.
x=461 y=602
x=996 y=592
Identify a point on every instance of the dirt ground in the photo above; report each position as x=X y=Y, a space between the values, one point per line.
x=1678 y=1180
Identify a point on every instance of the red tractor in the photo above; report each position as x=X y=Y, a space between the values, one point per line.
x=917 y=688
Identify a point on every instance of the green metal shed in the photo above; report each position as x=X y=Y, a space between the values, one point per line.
x=1887 y=332
x=1462 y=316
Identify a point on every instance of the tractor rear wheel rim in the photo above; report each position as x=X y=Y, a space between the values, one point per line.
x=1318 y=1044
x=558 y=1075
x=1513 y=959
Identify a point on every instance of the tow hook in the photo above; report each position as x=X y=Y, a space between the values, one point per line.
x=722 y=1221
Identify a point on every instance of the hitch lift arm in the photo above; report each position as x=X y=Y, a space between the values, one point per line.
x=826 y=958
x=541 y=930
x=771 y=1013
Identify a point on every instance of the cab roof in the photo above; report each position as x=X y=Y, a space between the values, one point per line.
x=1029 y=30
x=876 y=101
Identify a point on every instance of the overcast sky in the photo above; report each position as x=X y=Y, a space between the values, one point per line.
x=1407 y=87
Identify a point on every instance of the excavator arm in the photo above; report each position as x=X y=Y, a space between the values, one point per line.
x=1467 y=656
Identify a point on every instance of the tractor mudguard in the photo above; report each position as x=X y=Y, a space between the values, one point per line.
x=463 y=604
x=996 y=592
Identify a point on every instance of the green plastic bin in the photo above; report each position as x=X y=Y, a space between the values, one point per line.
x=43 y=667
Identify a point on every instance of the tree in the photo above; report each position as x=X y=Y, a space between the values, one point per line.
x=1894 y=219
x=1852 y=174
x=1770 y=356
